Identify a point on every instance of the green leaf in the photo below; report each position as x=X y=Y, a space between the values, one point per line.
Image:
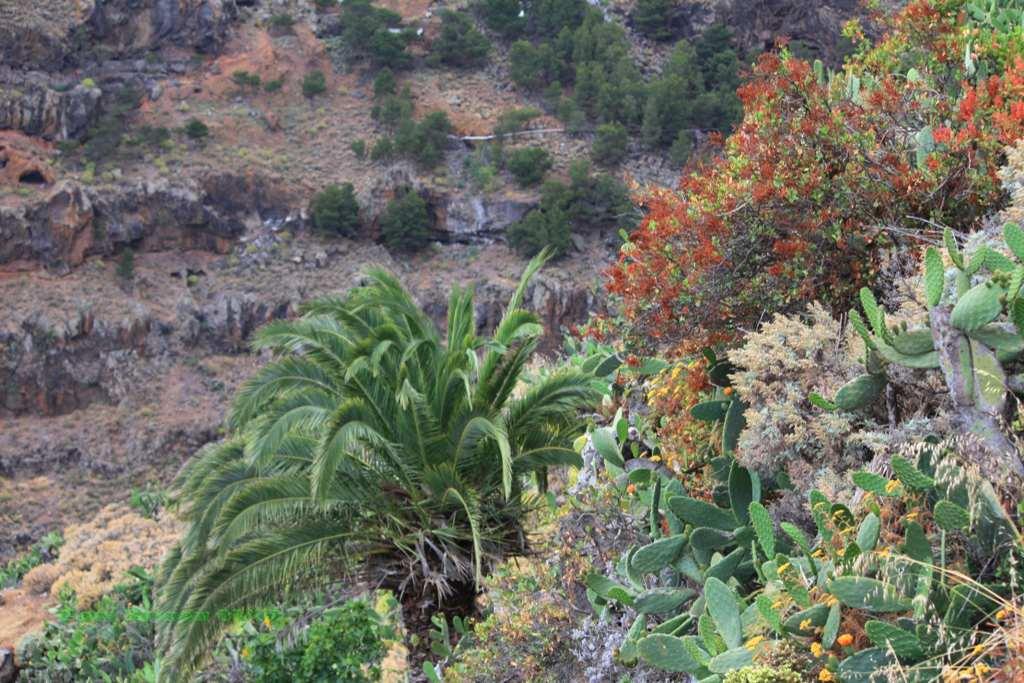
x=730 y=660
x=934 y=277
x=867 y=533
x=710 y=411
x=860 y=392
x=831 y=629
x=662 y=600
x=874 y=314
x=608 y=589
x=726 y=567
x=707 y=539
x=653 y=557
x=798 y=536
x=978 y=306
x=604 y=441
x=914 y=342
x=1014 y=237
x=951 y=247
x=700 y=513
x=867 y=666
x=904 y=644
x=734 y=424
x=770 y=614
x=820 y=401
x=763 y=527
x=805 y=621
x=725 y=612
x=871 y=482
x=951 y=517
x=667 y=653
x=872 y=595
x=911 y=477
x=741 y=492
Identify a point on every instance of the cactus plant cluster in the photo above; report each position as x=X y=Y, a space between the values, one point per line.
x=975 y=332
x=717 y=584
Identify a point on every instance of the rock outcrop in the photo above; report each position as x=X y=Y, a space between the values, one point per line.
x=475 y=218
x=53 y=35
x=73 y=221
x=30 y=103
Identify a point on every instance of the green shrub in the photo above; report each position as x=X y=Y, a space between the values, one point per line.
x=652 y=18
x=381 y=429
x=44 y=550
x=541 y=229
x=503 y=17
x=274 y=85
x=528 y=165
x=245 y=79
x=196 y=129
x=314 y=83
x=534 y=66
x=425 y=141
x=382 y=149
x=392 y=110
x=112 y=640
x=359 y=148
x=126 y=265
x=681 y=148
x=148 y=501
x=335 y=210
x=345 y=643
x=460 y=44
x=282 y=21
x=514 y=120
x=406 y=223
x=610 y=144
x=367 y=34
x=151 y=136
x=384 y=83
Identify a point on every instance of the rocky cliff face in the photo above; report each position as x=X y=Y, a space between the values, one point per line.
x=52 y=35
x=74 y=221
x=32 y=104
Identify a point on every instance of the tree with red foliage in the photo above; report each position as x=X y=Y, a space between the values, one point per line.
x=825 y=172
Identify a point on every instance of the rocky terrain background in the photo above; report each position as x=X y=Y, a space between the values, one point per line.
x=110 y=380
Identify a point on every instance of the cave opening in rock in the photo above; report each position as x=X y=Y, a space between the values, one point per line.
x=32 y=178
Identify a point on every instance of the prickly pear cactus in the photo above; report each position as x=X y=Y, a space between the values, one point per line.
x=975 y=330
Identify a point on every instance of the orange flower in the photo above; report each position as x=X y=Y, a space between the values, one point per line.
x=727 y=391
x=845 y=640
x=631 y=489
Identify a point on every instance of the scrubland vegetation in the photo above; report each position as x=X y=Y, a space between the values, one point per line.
x=789 y=451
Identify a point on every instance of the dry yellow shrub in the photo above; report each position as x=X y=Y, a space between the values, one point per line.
x=97 y=553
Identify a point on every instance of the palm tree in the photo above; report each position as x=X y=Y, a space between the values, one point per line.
x=370 y=449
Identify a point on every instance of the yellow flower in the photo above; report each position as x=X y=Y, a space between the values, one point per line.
x=805 y=624
x=826 y=675
x=784 y=567
x=978 y=649
x=655 y=458
x=911 y=516
x=266 y=621
x=816 y=649
x=753 y=642
x=981 y=669
x=884 y=552
x=245 y=653
x=831 y=600
x=1002 y=614
x=845 y=640
x=892 y=486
